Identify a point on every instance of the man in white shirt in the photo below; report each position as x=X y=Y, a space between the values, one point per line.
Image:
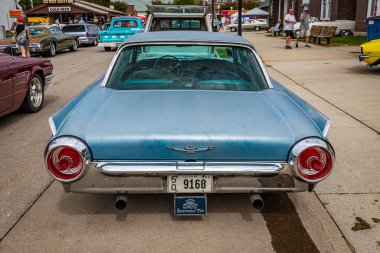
x=290 y=20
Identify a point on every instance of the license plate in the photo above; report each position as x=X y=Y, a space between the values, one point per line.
x=190 y=205
x=189 y=183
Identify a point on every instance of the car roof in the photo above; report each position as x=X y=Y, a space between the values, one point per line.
x=187 y=36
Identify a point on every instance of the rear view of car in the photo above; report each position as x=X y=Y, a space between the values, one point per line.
x=88 y=33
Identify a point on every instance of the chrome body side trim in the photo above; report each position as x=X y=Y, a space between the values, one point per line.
x=78 y=145
x=251 y=48
x=48 y=80
x=52 y=126
x=326 y=129
x=174 y=168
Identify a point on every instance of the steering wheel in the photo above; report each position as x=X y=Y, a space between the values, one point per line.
x=173 y=68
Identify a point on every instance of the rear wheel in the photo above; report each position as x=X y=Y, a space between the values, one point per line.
x=344 y=33
x=74 y=47
x=35 y=95
x=52 y=50
x=257 y=28
x=233 y=29
x=107 y=48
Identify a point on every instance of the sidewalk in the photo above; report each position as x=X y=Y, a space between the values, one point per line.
x=336 y=83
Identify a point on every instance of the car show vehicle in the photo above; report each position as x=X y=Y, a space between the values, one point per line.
x=344 y=27
x=119 y=30
x=87 y=33
x=189 y=114
x=178 y=17
x=23 y=82
x=47 y=39
x=253 y=25
x=370 y=52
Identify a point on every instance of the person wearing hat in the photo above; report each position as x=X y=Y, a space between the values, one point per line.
x=22 y=37
x=304 y=28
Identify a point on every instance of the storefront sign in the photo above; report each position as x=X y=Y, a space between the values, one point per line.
x=60 y=9
x=15 y=13
x=58 y=1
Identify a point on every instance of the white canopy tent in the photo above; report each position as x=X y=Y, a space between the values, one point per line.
x=253 y=12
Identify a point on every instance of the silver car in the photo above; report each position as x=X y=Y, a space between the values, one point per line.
x=88 y=33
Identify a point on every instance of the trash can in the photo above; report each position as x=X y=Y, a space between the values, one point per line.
x=373 y=28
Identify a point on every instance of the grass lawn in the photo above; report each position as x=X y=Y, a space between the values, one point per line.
x=351 y=40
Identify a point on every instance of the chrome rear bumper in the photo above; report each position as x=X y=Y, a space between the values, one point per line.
x=148 y=177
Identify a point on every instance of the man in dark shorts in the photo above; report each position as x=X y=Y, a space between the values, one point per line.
x=290 y=20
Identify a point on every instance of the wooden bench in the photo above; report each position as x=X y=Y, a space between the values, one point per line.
x=327 y=33
x=315 y=31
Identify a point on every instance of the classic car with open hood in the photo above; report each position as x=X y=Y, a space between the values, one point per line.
x=188 y=114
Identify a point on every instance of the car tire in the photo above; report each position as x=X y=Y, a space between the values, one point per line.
x=257 y=28
x=35 y=95
x=52 y=50
x=233 y=29
x=74 y=47
x=107 y=49
x=345 y=33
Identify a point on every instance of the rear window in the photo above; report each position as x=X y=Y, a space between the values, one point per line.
x=124 y=23
x=190 y=67
x=74 y=28
x=36 y=31
x=177 y=24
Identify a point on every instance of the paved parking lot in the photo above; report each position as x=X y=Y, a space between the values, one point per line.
x=36 y=215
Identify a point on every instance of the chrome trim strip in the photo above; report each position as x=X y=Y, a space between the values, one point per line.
x=258 y=58
x=327 y=128
x=174 y=168
x=52 y=126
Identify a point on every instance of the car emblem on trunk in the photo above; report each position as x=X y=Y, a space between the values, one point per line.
x=190 y=149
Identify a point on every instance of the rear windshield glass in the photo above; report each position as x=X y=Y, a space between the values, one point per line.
x=74 y=28
x=187 y=67
x=124 y=23
x=176 y=24
x=36 y=31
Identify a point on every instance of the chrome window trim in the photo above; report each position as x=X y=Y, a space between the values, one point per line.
x=163 y=168
x=72 y=142
x=301 y=146
x=162 y=43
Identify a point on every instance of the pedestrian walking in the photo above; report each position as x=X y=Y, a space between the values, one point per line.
x=22 y=38
x=304 y=28
x=223 y=20
x=290 y=20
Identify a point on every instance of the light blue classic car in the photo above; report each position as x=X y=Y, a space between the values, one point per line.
x=119 y=30
x=188 y=113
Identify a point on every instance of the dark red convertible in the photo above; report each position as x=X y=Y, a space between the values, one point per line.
x=23 y=82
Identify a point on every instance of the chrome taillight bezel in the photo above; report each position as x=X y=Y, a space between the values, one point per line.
x=74 y=143
x=302 y=145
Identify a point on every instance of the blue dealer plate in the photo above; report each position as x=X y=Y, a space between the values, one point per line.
x=190 y=205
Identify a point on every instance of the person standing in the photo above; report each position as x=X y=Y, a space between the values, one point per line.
x=290 y=20
x=22 y=38
x=223 y=20
x=304 y=29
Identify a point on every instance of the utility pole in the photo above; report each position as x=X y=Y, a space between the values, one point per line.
x=31 y=4
x=240 y=7
x=213 y=14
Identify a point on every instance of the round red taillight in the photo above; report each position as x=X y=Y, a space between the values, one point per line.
x=312 y=159
x=314 y=163
x=65 y=163
x=67 y=158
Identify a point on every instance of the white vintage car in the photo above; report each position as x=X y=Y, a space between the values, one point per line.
x=254 y=25
x=344 y=27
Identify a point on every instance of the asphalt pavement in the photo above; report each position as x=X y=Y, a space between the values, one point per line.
x=37 y=216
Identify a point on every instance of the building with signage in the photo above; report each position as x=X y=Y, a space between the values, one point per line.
x=7 y=14
x=67 y=11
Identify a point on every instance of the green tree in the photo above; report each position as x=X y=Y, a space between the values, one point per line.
x=25 y=4
x=105 y=3
x=183 y=2
x=120 y=6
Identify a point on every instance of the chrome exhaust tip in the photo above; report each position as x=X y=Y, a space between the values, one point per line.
x=121 y=201
x=256 y=201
